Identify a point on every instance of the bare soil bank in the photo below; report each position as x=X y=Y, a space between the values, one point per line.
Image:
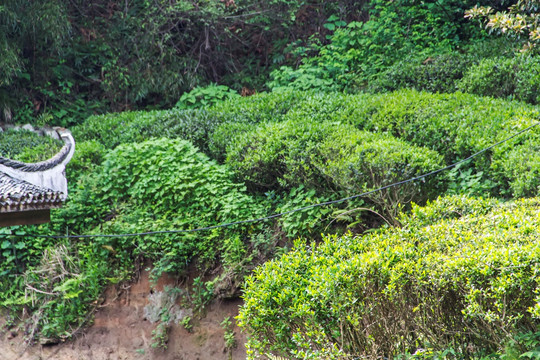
x=122 y=331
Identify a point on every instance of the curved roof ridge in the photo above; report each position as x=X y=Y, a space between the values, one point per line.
x=38 y=166
x=57 y=159
x=49 y=173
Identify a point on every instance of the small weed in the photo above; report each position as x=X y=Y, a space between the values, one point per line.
x=160 y=336
x=186 y=323
x=230 y=340
x=202 y=294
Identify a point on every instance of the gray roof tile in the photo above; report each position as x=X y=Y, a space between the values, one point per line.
x=18 y=195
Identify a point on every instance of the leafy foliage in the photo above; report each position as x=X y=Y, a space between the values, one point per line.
x=454 y=125
x=519 y=20
x=201 y=97
x=360 y=50
x=112 y=130
x=514 y=78
x=88 y=154
x=73 y=59
x=300 y=145
x=330 y=157
x=157 y=185
x=434 y=74
x=450 y=279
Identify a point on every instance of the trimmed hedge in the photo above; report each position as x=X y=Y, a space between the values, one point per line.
x=443 y=72
x=462 y=274
x=511 y=78
x=114 y=129
x=454 y=125
x=332 y=158
x=438 y=73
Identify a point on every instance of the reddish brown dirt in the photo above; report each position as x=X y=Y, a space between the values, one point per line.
x=121 y=331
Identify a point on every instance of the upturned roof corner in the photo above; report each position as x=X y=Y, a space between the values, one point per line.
x=29 y=190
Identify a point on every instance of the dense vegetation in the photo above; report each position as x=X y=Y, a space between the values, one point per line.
x=316 y=101
x=461 y=274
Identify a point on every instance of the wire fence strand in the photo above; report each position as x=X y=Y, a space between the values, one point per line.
x=278 y=215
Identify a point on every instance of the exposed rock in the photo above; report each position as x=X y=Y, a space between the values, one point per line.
x=28 y=127
x=51 y=133
x=48 y=341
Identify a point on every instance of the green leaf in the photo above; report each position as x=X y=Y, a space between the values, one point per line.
x=330 y=26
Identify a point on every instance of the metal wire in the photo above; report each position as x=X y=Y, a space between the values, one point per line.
x=286 y=212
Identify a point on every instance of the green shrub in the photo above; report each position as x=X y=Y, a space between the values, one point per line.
x=448 y=208
x=438 y=73
x=358 y=162
x=512 y=78
x=309 y=222
x=224 y=133
x=201 y=97
x=112 y=130
x=330 y=157
x=491 y=77
x=195 y=125
x=467 y=282
x=305 y=78
x=358 y=51
x=88 y=154
x=280 y=155
x=454 y=125
x=520 y=167
x=161 y=184
x=259 y=107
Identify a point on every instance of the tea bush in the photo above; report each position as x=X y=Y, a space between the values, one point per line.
x=520 y=166
x=510 y=78
x=438 y=73
x=112 y=130
x=331 y=158
x=454 y=125
x=467 y=281
x=264 y=107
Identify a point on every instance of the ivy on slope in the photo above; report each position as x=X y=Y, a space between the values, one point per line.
x=162 y=184
x=462 y=274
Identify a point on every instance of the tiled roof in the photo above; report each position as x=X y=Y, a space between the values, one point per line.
x=17 y=195
x=28 y=191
